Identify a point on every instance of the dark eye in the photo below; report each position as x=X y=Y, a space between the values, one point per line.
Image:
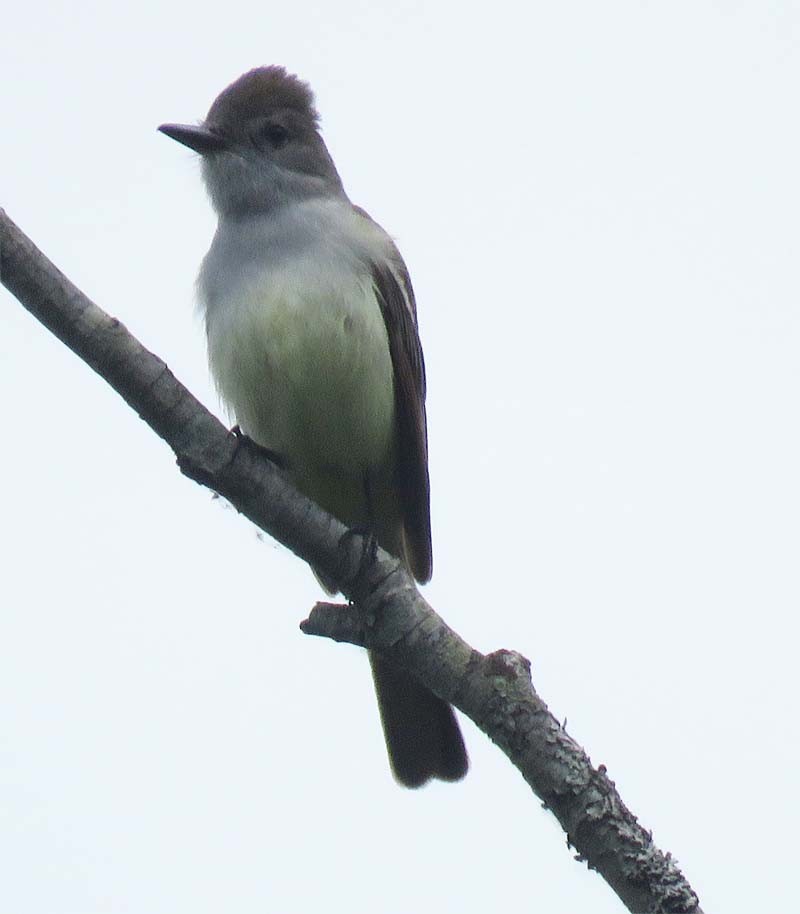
x=274 y=135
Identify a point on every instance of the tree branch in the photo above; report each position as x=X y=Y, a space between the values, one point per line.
x=388 y=613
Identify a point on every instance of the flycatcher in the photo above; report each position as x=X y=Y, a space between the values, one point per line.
x=313 y=343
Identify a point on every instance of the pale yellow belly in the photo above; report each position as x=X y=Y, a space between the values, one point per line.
x=311 y=378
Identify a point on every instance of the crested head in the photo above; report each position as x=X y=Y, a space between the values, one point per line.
x=261 y=145
x=260 y=91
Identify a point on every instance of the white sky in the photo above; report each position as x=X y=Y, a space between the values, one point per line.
x=599 y=206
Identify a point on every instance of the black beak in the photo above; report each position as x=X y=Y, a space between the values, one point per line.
x=201 y=139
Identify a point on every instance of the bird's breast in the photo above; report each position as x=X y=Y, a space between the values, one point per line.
x=300 y=354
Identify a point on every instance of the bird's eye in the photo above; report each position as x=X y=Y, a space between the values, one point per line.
x=274 y=135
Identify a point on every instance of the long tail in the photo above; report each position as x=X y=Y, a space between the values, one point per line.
x=422 y=735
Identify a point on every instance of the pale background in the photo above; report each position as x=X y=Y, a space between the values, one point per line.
x=598 y=203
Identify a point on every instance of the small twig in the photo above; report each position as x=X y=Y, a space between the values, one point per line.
x=338 y=621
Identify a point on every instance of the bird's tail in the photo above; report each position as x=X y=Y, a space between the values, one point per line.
x=422 y=735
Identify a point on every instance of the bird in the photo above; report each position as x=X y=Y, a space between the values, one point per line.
x=313 y=343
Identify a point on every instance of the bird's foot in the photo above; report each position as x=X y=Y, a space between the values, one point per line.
x=273 y=456
x=369 y=547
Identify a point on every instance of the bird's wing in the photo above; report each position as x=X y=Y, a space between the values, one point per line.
x=398 y=306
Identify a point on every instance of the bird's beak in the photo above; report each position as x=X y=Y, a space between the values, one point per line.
x=201 y=139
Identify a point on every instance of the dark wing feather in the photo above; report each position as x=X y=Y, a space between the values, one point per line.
x=396 y=299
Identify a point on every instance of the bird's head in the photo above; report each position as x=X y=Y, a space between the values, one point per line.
x=260 y=145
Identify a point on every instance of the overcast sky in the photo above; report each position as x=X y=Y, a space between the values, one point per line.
x=598 y=204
